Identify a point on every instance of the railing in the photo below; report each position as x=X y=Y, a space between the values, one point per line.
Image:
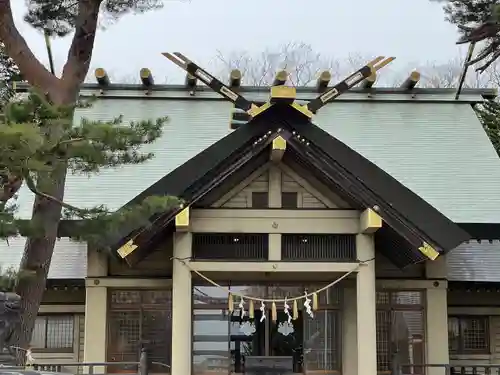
x=141 y=367
x=446 y=369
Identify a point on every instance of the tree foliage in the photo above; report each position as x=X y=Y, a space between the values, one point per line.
x=478 y=21
x=26 y=150
x=489 y=114
x=59 y=17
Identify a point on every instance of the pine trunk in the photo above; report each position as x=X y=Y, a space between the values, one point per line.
x=37 y=258
x=39 y=247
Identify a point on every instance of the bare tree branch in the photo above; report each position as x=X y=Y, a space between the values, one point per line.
x=299 y=59
x=17 y=48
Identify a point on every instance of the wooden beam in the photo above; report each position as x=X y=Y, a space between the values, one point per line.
x=222 y=220
x=278 y=148
x=128 y=282
x=280 y=78
x=238 y=118
x=272 y=267
x=411 y=81
x=146 y=77
x=323 y=81
x=182 y=222
x=369 y=82
x=190 y=81
x=102 y=77
x=369 y=221
x=235 y=78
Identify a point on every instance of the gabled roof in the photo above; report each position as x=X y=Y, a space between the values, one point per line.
x=430 y=134
x=362 y=182
x=69 y=261
x=476 y=261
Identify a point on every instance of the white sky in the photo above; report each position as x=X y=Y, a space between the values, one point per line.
x=414 y=31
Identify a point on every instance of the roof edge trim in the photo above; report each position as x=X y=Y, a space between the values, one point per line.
x=179 y=91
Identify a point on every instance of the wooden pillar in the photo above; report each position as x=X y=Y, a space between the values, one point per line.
x=96 y=309
x=366 y=332
x=181 y=306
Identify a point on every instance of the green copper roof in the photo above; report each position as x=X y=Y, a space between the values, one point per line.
x=432 y=144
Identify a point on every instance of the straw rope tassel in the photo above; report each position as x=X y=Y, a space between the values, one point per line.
x=230 y=303
x=315 y=301
x=251 y=313
x=274 y=312
x=295 y=310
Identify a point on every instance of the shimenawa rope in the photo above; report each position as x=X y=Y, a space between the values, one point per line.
x=291 y=299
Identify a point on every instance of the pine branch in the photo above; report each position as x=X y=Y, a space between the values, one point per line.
x=477 y=21
x=17 y=48
x=32 y=186
x=109 y=144
x=100 y=226
x=489 y=114
x=27 y=151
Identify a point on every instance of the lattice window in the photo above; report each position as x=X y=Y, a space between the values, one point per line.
x=139 y=318
x=400 y=329
x=230 y=246
x=468 y=334
x=53 y=333
x=316 y=247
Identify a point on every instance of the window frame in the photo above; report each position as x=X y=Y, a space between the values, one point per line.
x=460 y=338
x=258 y=197
x=388 y=305
x=141 y=305
x=46 y=349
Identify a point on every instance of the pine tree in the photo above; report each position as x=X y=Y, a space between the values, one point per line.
x=489 y=114
x=478 y=21
x=27 y=151
x=38 y=145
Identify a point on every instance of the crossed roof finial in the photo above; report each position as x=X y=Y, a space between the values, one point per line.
x=279 y=92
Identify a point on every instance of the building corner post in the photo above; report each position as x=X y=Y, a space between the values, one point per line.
x=366 y=332
x=436 y=309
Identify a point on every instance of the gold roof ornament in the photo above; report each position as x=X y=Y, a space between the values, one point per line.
x=127 y=248
x=428 y=251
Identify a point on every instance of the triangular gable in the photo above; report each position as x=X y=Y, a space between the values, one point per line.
x=361 y=181
x=302 y=184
